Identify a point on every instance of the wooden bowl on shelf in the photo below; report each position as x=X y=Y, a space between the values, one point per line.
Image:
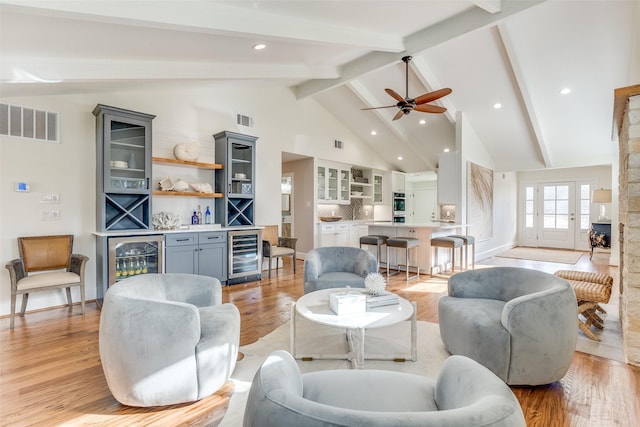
x=330 y=218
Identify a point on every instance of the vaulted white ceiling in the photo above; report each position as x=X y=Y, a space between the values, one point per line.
x=519 y=53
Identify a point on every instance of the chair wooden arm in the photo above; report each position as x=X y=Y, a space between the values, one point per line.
x=16 y=271
x=266 y=248
x=77 y=264
x=287 y=242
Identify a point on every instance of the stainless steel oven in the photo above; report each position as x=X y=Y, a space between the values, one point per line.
x=399 y=207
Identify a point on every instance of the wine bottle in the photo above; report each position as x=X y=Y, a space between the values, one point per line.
x=194 y=218
x=199 y=213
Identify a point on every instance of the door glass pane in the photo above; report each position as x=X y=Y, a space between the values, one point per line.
x=562 y=192
x=549 y=221
x=562 y=207
x=562 y=221
x=585 y=205
x=549 y=207
x=528 y=221
x=549 y=192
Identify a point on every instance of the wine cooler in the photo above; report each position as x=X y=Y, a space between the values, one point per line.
x=245 y=256
x=123 y=257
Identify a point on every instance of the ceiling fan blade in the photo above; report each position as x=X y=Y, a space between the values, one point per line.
x=430 y=108
x=399 y=114
x=394 y=94
x=375 y=108
x=432 y=96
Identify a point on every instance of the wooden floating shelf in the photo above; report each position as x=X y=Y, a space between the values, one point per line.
x=187 y=163
x=188 y=194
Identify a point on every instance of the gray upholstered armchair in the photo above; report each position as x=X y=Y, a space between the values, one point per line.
x=465 y=394
x=167 y=339
x=519 y=323
x=337 y=267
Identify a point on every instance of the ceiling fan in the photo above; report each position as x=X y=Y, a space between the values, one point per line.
x=407 y=105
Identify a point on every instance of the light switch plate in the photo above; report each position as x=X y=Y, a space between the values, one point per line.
x=50 y=198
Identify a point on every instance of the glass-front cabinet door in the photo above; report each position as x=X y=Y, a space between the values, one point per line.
x=377 y=189
x=345 y=185
x=321 y=178
x=126 y=144
x=241 y=179
x=332 y=183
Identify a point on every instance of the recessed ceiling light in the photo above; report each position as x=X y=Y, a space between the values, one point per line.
x=399 y=157
x=446 y=150
x=259 y=46
x=497 y=106
x=374 y=133
x=422 y=121
x=565 y=91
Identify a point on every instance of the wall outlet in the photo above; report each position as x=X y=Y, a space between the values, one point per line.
x=50 y=215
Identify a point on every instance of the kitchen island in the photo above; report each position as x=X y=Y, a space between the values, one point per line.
x=421 y=231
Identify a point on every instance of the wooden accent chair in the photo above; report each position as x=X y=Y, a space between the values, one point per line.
x=592 y=289
x=56 y=267
x=274 y=246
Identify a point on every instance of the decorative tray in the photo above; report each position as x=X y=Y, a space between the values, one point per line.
x=330 y=218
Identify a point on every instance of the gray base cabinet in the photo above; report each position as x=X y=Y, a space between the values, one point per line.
x=197 y=253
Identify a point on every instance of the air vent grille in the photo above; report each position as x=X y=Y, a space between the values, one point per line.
x=243 y=120
x=337 y=144
x=28 y=123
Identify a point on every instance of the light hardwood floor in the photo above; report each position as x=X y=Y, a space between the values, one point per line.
x=50 y=373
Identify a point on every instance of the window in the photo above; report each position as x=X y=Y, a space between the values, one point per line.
x=585 y=205
x=556 y=206
x=529 y=207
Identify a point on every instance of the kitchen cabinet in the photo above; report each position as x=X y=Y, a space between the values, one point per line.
x=333 y=234
x=186 y=163
x=378 y=189
x=398 y=181
x=357 y=230
x=236 y=181
x=448 y=178
x=203 y=253
x=332 y=181
x=123 y=169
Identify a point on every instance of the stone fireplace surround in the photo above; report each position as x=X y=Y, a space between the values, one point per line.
x=627 y=123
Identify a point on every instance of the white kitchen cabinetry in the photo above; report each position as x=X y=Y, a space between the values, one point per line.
x=333 y=183
x=398 y=182
x=333 y=234
x=377 y=189
x=448 y=178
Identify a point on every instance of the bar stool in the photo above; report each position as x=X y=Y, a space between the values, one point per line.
x=468 y=240
x=376 y=240
x=406 y=243
x=450 y=243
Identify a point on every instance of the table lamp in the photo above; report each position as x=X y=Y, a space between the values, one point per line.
x=601 y=196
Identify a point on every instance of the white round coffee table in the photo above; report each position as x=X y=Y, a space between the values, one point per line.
x=314 y=306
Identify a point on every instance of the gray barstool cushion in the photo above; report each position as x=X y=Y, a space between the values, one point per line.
x=373 y=239
x=402 y=242
x=447 y=242
x=468 y=240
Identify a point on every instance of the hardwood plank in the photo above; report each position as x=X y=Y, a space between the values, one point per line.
x=50 y=372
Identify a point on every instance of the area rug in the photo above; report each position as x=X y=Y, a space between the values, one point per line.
x=546 y=255
x=312 y=337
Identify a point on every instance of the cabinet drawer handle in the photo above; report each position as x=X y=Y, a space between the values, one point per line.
x=182 y=240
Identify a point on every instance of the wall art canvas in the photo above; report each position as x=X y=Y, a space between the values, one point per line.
x=480 y=201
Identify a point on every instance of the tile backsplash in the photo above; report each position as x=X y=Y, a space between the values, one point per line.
x=357 y=210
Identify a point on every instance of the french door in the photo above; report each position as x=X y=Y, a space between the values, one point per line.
x=555 y=214
x=556 y=223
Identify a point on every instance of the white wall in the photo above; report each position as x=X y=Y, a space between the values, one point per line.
x=472 y=149
x=184 y=114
